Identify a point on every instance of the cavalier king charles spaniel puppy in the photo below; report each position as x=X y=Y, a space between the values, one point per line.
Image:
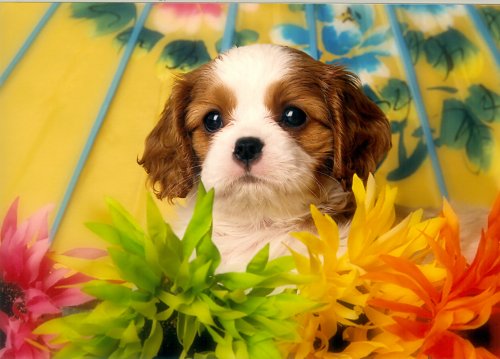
x=272 y=131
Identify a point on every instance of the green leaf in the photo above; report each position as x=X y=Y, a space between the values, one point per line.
x=185 y=55
x=157 y=228
x=107 y=17
x=129 y=335
x=152 y=344
x=280 y=265
x=131 y=234
x=265 y=349
x=259 y=261
x=121 y=218
x=282 y=329
x=207 y=250
x=448 y=49
x=484 y=103
x=200 y=277
x=187 y=327
x=147 y=38
x=103 y=290
x=105 y=231
x=171 y=249
x=151 y=256
x=284 y=305
x=239 y=280
x=220 y=311
x=135 y=269
x=199 y=310
x=147 y=309
x=200 y=223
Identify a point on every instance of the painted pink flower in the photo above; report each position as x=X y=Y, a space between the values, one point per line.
x=32 y=290
x=188 y=17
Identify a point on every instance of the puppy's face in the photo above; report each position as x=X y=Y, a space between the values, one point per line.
x=266 y=125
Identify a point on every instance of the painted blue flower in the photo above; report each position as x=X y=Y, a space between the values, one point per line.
x=352 y=38
x=347 y=32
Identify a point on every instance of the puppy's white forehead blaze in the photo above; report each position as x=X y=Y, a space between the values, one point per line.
x=248 y=73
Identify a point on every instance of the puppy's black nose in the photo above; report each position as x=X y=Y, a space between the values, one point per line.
x=247 y=149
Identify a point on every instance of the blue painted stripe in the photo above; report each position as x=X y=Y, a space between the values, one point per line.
x=100 y=117
x=230 y=28
x=29 y=40
x=483 y=31
x=417 y=97
x=311 y=29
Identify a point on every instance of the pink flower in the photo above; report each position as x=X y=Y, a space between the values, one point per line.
x=31 y=289
x=188 y=17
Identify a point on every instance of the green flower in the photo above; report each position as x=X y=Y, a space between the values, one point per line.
x=154 y=280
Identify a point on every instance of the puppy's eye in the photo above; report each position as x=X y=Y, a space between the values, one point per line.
x=213 y=121
x=293 y=117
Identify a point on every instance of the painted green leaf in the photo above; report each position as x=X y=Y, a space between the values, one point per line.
x=447 y=89
x=407 y=165
x=415 y=43
x=185 y=55
x=460 y=128
x=479 y=146
x=491 y=16
x=484 y=103
x=108 y=17
x=410 y=164
x=383 y=104
x=241 y=38
x=448 y=49
x=147 y=38
x=397 y=93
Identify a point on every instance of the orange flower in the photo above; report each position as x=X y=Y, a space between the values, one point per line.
x=440 y=311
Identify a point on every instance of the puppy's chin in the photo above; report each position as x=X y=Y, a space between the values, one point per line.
x=258 y=196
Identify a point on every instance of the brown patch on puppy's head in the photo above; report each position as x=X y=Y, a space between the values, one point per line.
x=346 y=132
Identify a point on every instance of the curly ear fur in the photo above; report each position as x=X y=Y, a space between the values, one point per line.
x=168 y=156
x=365 y=135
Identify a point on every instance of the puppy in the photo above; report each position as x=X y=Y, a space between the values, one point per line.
x=272 y=131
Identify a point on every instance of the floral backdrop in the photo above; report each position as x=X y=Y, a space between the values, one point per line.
x=50 y=100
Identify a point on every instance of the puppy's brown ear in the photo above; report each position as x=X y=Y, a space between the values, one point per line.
x=168 y=156
x=365 y=134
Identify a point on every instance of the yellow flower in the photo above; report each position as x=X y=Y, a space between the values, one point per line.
x=340 y=287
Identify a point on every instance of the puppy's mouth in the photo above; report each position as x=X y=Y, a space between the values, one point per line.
x=249 y=178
